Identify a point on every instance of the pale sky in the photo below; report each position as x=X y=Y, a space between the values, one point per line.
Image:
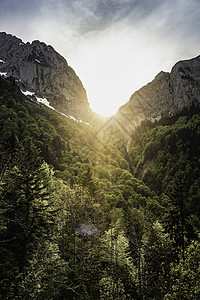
x=114 y=46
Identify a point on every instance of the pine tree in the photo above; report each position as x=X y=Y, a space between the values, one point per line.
x=177 y=218
x=25 y=207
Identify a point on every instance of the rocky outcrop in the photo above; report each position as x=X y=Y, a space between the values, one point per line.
x=38 y=68
x=166 y=95
x=185 y=78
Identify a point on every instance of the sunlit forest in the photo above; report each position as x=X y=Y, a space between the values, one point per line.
x=86 y=218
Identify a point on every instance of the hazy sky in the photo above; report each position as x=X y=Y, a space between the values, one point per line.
x=115 y=46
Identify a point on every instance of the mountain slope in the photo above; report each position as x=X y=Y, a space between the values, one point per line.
x=165 y=96
x=39 y=69
x=77 y=224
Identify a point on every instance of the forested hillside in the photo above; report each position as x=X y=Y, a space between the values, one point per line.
x=82 y=218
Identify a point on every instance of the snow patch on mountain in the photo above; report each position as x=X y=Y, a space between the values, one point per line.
x=27 y=93
x=3 y=74
x=45 y=102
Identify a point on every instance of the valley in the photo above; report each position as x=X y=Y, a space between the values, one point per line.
x=94 y=208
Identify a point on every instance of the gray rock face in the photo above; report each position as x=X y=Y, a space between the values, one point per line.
x=40 y=69
x=166 y=95
x=185 y=78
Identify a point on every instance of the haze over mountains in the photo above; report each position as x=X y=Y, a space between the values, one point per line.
x=38 y=68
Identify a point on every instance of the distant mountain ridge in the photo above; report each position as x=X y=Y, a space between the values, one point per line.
x=38 y=68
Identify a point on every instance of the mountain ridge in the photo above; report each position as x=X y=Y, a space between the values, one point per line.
x=38 y=68
x=165 y=96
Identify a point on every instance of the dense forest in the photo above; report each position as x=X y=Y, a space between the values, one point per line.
x=83 y=218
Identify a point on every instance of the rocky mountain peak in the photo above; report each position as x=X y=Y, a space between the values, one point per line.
x=185 y=78
x=41 y=70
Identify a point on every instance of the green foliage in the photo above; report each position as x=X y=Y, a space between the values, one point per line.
x=25 y=207
x=162 y=151
x=80 y=218
x=185 y=277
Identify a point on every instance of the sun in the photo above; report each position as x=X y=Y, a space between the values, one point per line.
x=114 y=64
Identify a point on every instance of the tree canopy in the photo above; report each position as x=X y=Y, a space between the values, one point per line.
x=83 y=218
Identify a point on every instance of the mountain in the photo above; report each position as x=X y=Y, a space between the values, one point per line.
x=41 y=70
x=83 y=218
x=167 y=95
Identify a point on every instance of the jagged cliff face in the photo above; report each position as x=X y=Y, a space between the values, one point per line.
x=185 y=77
x=38 y=68
x=166 y=95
